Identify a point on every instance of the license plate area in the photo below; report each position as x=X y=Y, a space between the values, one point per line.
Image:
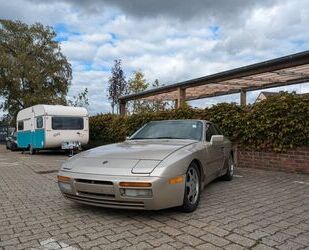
x=70 y=145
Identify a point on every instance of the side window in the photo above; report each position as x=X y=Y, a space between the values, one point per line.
x=20 y=125
x=39 y=122
x=210 y=131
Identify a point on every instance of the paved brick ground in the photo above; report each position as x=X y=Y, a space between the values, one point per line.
x=257 y=210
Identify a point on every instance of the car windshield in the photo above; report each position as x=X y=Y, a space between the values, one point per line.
x=191 y=130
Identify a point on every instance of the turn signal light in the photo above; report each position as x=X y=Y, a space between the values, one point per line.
x=175 y=180
x=63 y=178
x=135 y=184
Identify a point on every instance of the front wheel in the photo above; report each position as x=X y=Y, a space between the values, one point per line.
x=192 y=189
x=230 y=169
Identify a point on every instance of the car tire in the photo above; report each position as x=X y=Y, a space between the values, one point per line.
x=192 y=191
x=31 y=150
x=230 y=169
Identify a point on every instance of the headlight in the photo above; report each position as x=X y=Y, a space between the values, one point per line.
x=65 y=187
x=141 y=193
x=67 y=165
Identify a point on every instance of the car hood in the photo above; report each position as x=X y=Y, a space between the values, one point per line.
x=126 y=158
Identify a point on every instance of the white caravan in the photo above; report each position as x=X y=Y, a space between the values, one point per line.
x=52 y=126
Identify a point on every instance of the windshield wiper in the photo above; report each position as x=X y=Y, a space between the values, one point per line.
x=138 y=138
x=153 y=138
x=165 y=137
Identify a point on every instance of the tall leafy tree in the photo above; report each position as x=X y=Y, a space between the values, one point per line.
x=80 y=100
x=117 y=85
x=32 y=68
x=137 y=84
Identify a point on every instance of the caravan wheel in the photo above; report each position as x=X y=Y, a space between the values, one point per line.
x=31 y=150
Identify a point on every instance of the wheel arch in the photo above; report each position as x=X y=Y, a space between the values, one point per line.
x=200 y=168
x=233 y=153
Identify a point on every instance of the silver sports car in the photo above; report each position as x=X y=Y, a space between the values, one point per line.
x=164 y=164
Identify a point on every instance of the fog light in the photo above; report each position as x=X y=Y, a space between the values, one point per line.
x=65 y=187
x=142 y=193
x=135 y=184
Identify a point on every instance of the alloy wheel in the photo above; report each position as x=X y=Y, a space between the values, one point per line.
x=231 y=166
x=192 y=185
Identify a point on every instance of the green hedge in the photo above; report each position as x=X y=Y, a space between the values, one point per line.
x=277 y=123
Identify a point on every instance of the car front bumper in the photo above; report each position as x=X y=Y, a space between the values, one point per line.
x=105 y=191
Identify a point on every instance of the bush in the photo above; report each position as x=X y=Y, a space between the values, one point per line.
x=277 y=123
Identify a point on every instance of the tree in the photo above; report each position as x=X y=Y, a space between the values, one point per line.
x=80 y=100
x=32 y=68
x=158 y=105
x=5 y=120
x=117 y=85
x=138 y=84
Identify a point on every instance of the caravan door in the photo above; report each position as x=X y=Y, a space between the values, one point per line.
x=38 y=135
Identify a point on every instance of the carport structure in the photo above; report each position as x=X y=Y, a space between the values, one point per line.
x=282 y=71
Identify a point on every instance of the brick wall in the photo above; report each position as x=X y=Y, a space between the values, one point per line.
x=294 y=160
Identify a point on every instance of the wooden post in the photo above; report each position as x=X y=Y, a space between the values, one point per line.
x=122 y=107
x=181 y=98
x=243 y=97
x=176 y=103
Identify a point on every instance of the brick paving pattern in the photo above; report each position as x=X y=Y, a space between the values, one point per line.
x=257 y=210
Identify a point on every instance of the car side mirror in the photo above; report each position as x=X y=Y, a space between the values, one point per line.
x=217 y=140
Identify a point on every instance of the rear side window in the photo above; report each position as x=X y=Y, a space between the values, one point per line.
x=20 y=125
x=39 y=122
x=67 y=123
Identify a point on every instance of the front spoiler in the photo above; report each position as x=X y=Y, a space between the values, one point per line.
x=104 y=191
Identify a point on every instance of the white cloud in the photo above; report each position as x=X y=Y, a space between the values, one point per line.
x=168 y=40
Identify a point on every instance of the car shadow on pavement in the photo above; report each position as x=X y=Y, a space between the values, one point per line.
x=47 y=152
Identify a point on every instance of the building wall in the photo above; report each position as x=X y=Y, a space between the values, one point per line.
x=260 y=97
x=294 y=160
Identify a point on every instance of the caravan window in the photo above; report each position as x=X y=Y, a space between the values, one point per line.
x=20 y=125
x=39 y=122
x=67 y=123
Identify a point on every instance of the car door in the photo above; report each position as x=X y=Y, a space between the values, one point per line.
x=223 y=147
x=215 y=153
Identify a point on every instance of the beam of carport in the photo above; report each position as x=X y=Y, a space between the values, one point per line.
x=288 y=70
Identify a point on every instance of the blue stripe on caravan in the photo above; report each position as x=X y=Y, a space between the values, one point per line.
x=36 y=139
x=23 y=138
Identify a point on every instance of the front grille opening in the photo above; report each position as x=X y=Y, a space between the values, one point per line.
x=94 y=182
x=106 y=202
x=97 y=194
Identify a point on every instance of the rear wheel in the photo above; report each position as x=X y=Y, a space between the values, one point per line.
x=192 y=189
x=230 y=169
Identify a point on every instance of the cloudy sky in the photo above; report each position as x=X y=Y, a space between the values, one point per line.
x=171 y=40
